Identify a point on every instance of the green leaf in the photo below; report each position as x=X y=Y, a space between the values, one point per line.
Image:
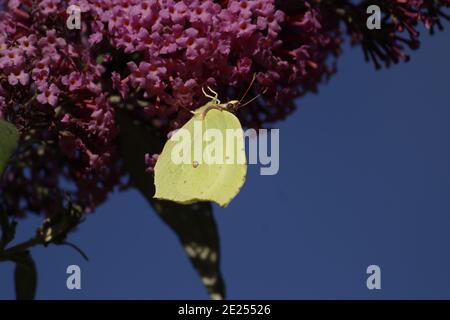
x=9 y=137
x=194 y=224
x=197 y=231
x=25 y=276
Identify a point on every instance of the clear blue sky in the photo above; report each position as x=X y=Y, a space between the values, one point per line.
x=364 y=179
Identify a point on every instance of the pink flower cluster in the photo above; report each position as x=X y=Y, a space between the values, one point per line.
x=186 y=45
x=46 y=74
x=399 y=29
x=57 y=85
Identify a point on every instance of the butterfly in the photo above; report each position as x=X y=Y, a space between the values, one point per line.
x=204 y=160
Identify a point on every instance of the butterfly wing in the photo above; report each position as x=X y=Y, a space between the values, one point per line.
x=218 y=175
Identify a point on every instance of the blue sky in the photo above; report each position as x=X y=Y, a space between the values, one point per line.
x=364 y=179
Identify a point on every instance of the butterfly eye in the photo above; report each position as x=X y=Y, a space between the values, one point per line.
x=233 y=105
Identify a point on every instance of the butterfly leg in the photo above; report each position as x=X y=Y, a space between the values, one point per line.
x=213 y=98
x=211 y=107
x=216 y=95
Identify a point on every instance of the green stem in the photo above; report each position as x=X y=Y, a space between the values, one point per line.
x=10 y=253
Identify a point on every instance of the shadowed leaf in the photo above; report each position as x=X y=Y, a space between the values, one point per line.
x=194 y=224
x=8 y=142
x=25 y=276
x=196 y=228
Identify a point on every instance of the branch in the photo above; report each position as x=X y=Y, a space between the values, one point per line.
x=11 y=253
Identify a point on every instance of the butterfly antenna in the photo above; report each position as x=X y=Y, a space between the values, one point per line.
x=248 y=88
x=253 y=99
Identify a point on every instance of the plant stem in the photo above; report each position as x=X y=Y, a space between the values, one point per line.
x=9 y=254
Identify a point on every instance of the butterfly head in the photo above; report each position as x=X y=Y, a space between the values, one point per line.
x=232 y=105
